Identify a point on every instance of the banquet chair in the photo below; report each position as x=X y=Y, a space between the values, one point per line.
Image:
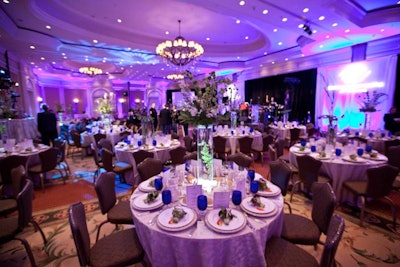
x=177 y=155
x=141 y=155
x=97 y=161
x=390 y=143
x=241 y=159
x=220 y=149
x=7 y=164
x=301 y=230
x=294 y=136
x=393 y=155
x=9 y=205
x=48 y=162
x=280 y=174
x=97 y=137
x=282 y=253
x=189 y=144
x=10 y=227
x=76 y=137
x=117 y=212
x=245 y=145
x=377 y=187
x=120 y=248
x=267 y=140
x=308 y=173
x=273 y=155
x=105 y=144
x=61 y=162
x=280 y=148
x=118 y=167
x=149 y=168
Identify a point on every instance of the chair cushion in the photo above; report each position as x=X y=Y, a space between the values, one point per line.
x=120 y=213
x=360 y=187
x=8 y=228
x=279 y=252
x=300 y=230
x=121 y=166
x=8 y=205
x=35 y=169
x=118 y=249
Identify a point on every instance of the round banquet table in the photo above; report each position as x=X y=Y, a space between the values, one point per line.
x=233 y=143
x=207 y=247
x=340 y=170
x=283 y=131
x=125 y=154
x=21 y=129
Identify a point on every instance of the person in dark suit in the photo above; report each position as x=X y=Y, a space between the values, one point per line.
x=165 y=118
x=47 y=125
x=392 y=120
x=153 y=115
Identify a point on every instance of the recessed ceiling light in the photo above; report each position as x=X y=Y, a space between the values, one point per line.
x=321 y=46
x=86 y=59
x=321 y=18
x=327 y=37
x=275 y=30
x=247 y=37
x=273 y=62
x=42 y=58
x=119 y=20
x=32 y=63
x=242 y=3
x=63 y=54
x=382 y=30
x=280 y=43
x=265 y=53
x=6 y=1
x=48 y=27
x=334 y=24
x=208 y=38
x=314 y=31
x=305 y=10
x=166 y=32
x=348 y=30
x=284 y=19
x=65 y=57
x=265 y=11
x=302 y=55
x=286 y=59
x=95 y=41
x=32 y=47
x=238 y=21
x=300 y=26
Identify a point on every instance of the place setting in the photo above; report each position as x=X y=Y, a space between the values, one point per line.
x=266 y=188
x=257 y=205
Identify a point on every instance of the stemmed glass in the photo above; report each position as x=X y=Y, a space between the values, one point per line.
x=202 y=204
x=139 y=143
x=338 y=152
x=158 y=184
x=254 y=187
x=368 y=149
x=313 y=148
x=154 y=142
x=166 y=197
x=251 y=174
x=360 y=152
x=236 y=197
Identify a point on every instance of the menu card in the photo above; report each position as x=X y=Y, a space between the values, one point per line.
x=192 y=191
x=221 y=200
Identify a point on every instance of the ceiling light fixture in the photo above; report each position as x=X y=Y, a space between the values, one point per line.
x=179 y=51
x=307 y=29
x=175 y=77
x=91 y=71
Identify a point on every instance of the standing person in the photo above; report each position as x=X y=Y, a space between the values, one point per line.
x=175 y=118
x=47 y=125
x=165 y=118
x=153 y=115
x=392 y=120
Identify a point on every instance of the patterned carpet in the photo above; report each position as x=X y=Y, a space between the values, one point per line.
x=370 y=245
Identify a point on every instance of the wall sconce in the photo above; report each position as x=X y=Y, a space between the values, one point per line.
x=39 y=99
x=121 y=100
x=76 y=100
x=137 y=100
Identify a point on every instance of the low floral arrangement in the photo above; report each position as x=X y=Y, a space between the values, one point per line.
x=372 y=100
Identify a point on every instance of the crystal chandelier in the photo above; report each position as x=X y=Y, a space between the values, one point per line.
x=90 y=71
x=175 y=76
x=179 y=51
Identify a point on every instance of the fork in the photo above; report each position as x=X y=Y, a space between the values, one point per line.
x=154 y=219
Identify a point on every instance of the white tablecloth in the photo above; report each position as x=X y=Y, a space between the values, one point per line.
x=340 y=171
x=206 y=247
x=283 y=132
x=233 y=143
x=21 y=129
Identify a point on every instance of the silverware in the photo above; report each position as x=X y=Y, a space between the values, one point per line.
x=154 y=219
x=190 y=234
x=249 y=224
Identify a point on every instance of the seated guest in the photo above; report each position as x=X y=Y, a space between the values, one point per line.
x=392 y=120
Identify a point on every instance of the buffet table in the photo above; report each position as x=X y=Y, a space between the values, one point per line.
x=200 y=244
x=21 y=129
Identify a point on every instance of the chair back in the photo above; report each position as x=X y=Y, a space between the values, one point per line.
x=390 y=143
x=334 y=235
x=380 y=180
x=61 y=145
x=279 y=146
x=24 y=202
x=272 y=153
x=149 y=168
x=177 y=155
x=18 y=176
x=294 y=135
x=190 y=156
x=107 y=159
x=95 y=154
x=105 y=143
x=245 y=144
x=80 y=233
x=188 y=141
x=97 y=137
x=76 y=138
x=105 y=190
x=324 y=201
x=48 y=159
x=241 y=159
x=9 y=163
x=268 y=139
x=141 y=155
x=393 y=155
x=280 y=175
x=219 y=144
x=308 y=169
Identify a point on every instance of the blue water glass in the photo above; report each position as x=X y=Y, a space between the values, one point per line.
x=202 y=202
x=360 y=152
x=251 y=130
x=254 y=187
x=390 y=134
x=313 y=148
x=139 y=143
x=382 y=135
x=154 y=142
x=368 y=149
x=251 y=174
x=232 y=132
x=357 y=134
x=243 y=132
x=236 y=197
x=89 y=130
x=127 y=141
x=303 y=143
x=338 y=152
x=158 y=184
x=371 y=135
x=166 y=197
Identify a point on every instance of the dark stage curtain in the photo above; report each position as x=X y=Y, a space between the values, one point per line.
x=294 y=90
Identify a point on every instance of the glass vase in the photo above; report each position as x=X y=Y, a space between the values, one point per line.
x=205 y=152
x=331 y=135
x=233 y=120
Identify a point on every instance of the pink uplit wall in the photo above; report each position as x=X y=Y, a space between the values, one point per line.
x=348 y=101
x=70 y=94
x=51 y=97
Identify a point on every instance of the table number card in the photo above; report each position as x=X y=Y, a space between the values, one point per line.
x=221 y=200
x=192 y=191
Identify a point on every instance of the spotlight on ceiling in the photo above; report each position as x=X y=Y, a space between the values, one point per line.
x=307 y=29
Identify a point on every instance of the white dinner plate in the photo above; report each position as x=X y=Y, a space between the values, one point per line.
x=356 y=160
x=235 y=225
x=269 y=206
x=318 y=156
x=379 y=157
x=163 y=220
x=145 y=187
x=305 y=151
x=139 y=204
x=273 y=190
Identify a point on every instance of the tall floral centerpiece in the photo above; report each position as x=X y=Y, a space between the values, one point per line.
x=105 y=107
x=203 y=110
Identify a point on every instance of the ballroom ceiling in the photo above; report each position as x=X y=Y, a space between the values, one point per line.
x=57 y=37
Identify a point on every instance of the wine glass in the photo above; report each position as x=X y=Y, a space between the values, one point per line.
x=158 y=184
x=154 y=142
x=139 y=143
x=202 y=204
x=166 y=197
x=236 y=197
x=303 y=143
x=368 y=149
x=360 y=152
x=338 y=152
x=251 y=174
x=313 y=148
x=254 y=187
